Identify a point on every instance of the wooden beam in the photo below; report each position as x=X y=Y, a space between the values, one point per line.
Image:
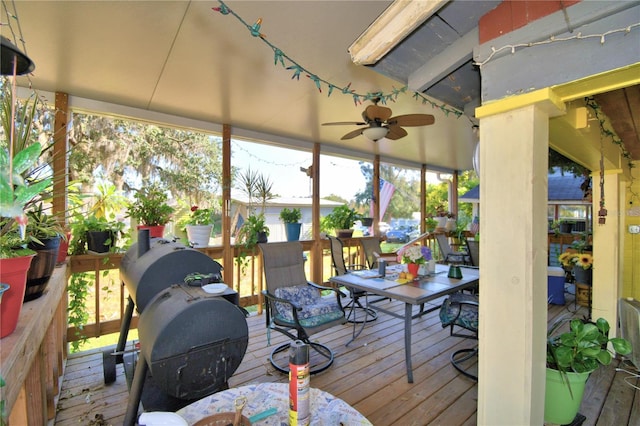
x=60 y=147
x=376 y=195
x=226 y=204
x=440 y=66
x=316 y=252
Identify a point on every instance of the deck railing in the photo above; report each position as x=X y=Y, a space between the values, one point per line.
x=107 y=297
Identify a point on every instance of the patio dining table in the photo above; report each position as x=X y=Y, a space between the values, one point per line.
x=417 y=292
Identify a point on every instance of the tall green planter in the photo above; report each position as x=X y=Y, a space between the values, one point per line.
x=292 y=230
x=559 y=405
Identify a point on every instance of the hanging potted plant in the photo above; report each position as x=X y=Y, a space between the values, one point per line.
x=44 y=234
x=341 y=219
x=571 y=357
x=151 y=210
x=199 y=226
x=291 y=219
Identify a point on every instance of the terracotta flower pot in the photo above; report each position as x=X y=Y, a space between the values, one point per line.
x=156 y=231
x=13 y=271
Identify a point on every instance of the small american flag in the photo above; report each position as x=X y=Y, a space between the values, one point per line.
x=475 y=225
x=386 y=192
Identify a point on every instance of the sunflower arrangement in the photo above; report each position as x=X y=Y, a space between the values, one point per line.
x=570 y=259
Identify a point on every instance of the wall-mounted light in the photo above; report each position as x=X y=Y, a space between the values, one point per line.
x=390 y=28
x=375 y=133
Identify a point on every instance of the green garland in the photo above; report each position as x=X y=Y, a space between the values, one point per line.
x=288 y=63
x=607 y=133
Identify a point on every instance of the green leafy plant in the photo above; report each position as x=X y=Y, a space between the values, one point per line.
x=248 y=236
x=21 y=179
x=290 y=215
x=342 y=217
x=3 y=415
x=42 y=226
x=250 y=230
x=200 y=216
x=80 y=226
x=431 y=224
x=583 y=348
x=77 y=312
x=150 y=206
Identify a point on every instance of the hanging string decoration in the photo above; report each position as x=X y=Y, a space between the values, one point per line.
x=297 y=70
x=513 y=47
x=602 y=213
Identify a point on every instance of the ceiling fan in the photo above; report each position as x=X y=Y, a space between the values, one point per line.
x=380 y=124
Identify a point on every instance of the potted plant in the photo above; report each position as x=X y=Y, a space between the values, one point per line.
x=20 y=185
x=199 y=226
x=571 y=356
x=341 y=219
x=44 y=234
x=581 y=265
x=151 y=210
x=253 y=231
x=94 y=234
x=292 y=225
x=565 y=226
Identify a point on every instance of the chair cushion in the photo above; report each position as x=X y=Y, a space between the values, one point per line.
x=450 y=309
x=316 y=309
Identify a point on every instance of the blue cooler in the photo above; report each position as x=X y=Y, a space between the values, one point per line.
x=555 y=285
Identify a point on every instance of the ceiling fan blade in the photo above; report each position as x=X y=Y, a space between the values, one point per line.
x=352 y=134
x=396 y=132
x=341 y=123
x=409 y=120
x=375 y=112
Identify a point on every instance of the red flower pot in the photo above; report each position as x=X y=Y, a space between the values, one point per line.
x=156 y=231
x=13 y=271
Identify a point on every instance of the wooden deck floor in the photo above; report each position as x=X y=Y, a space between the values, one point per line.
x=369 y=374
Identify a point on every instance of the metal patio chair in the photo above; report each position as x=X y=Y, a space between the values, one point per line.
x=296 y=307
x=461 y=310
x=448 y=255
x=341 y=268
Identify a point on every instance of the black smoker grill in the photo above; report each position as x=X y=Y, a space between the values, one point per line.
x=147 y=268
x=191 y=343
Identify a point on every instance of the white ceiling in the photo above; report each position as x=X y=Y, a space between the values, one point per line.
x=183 y=58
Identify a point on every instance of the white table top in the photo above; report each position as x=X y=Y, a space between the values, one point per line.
x=325 y=408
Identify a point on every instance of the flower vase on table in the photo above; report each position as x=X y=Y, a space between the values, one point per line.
x=414 y=257
x=412 y=268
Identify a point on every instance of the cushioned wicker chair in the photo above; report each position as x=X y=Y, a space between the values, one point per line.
x=342 y=268
x=295 y=306
x=461 y=310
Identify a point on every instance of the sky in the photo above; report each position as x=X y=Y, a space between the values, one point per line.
x=339 y=176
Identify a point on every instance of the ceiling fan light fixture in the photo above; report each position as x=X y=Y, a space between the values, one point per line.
x=375 y=133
